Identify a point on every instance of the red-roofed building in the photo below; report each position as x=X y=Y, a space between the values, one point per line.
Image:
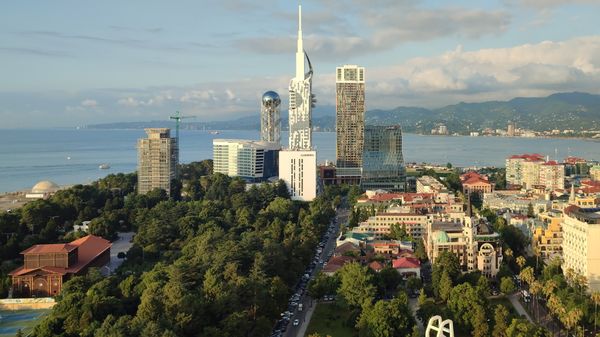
x=473 y=182
x=46 y=267
x=376 y=266
x=407 y=266
x=529 y=170
x=335 y=263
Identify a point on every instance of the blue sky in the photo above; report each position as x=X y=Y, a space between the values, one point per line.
x=68 y=63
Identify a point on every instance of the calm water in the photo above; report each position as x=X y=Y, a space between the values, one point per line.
x=27 y=156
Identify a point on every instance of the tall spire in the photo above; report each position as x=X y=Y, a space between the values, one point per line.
x=300 y=52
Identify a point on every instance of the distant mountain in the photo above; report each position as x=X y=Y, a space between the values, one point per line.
x=577 y=111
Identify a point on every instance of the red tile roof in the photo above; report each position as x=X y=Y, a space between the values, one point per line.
x=530 y=157
x=88 y=249
x=376 y=266
x=406 y=263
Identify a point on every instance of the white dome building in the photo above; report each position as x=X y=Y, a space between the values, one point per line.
x=42 y=190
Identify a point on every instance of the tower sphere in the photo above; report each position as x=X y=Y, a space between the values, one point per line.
x=271 y=99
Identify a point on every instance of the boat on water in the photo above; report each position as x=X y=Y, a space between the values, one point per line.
x=104 y=166
x=214 y=132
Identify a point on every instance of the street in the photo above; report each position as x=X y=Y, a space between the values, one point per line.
x=308 y=303
x=122 y=244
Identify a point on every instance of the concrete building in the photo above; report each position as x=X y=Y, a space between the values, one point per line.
x=547 y=239
x=475 y=183
x=298 y=169
x=531 y=170
x=270 y=117
x=428 y=184
x=552 y=175
x=254 y=161
x=581 y=244
x=515 y=201
x=383 y=162
x=42 y=190
x=350 y=122
x=298 y=164
x=157 y=160
x=595 y=173
x=510 y=131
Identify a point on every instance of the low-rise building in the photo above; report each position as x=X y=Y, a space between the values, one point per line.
x=516 y=201
x=428 y=184
x=475 y=183
x=407 y=266
x=47 y=267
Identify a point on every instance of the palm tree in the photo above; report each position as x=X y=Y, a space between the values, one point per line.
x=521 y=262
x=549 y=287
x=527 y=275
x=571 y=318
x=596 y=299
x=536 y=289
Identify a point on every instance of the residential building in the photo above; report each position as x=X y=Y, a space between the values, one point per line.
x=581 y=245
x=298 y=169
x=254 y=161
x=157 y=160
x=516 y=201
x=407 y=266
x=47 y=267
x=428 y=184
x=350 y=122
x=547 y=239
x=510 y=131
x=475 y=183
x=595 y=173
x=531 y=170
x=383 y=163
x=270 y=118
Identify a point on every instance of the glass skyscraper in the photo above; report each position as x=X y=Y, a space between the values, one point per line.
x=383 y=163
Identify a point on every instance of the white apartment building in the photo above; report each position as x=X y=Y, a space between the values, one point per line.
x=428 y=184
x=251 y=160
x=581 y=243
x=298 y=169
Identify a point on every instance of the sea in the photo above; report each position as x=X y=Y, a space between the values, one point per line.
x=73 y=156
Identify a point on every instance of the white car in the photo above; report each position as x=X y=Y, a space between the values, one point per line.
x=296 y=322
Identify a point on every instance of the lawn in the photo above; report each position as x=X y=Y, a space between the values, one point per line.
x=329 y=319
x=506 y=302
x=11 y=321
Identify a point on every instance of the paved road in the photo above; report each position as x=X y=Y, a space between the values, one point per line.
x=308 y=303
x=514 y=299
x=413 y=303
x=122 y=244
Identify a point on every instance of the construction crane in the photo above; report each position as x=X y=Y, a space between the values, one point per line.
x=178 y=119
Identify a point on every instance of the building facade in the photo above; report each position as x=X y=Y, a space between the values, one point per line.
x=428 y=184
x=581 y=248
x=270 y=118
x=383 y=163
x=298 y=169
x=301 y=98
x=531 y=170
x=157 y=160
x=547 y=238
x=47 y=267
x=254 y=161
x=350 y=121
x=475 y=183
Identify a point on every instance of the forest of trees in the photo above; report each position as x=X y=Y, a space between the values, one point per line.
x=220 y=262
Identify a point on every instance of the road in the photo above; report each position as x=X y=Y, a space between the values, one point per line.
x=308 y=303
x=122 y=244
x=514 y=299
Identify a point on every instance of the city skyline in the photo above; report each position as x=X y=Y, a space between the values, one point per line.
x=77 y=64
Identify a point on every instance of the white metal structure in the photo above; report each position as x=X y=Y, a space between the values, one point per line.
x=439 y=327
x=270 y=117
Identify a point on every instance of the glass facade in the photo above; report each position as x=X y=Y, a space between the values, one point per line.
x=383 y=163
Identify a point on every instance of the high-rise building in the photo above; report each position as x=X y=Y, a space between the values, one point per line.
x=270 y=117
x=581 y=244
x=157 y=160
x=349 y=121
x=531 y=170
x=510 y=131
x=301 y=98
x=383 y=163
x=298 y=164
x=253 y=161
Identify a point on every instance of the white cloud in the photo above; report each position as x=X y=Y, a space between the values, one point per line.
x=89 y=103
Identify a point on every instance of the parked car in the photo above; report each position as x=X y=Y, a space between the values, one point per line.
x=296 y=322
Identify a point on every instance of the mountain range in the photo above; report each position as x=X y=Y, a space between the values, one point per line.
x=576 y=110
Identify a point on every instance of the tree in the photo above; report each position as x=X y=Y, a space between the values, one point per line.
x=398 y=232
x=596 y=300
x=522 y=328
x=356 y=284
x=323 y=285
x=413 y=283
x=521 y=262
x=445 y=286
x=465 y=305
x=420 y=252
x=530 y=211
x=500 y=321
x=507 y=286
x=422 y=297
x=483 y=286
x=386 y=319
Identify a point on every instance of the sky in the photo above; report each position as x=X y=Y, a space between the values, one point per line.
x=73 y=63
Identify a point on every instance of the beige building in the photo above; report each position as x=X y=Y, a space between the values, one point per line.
x=531 y=170
x=581 y=244
x=595 y=173
x=428 y=184
x=157 y=160
x=350 y=121
x=552 y=175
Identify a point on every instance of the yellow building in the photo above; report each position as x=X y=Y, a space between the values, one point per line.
x=581 y=244
x=547 y=240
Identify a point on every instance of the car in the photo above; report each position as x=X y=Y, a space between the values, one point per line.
x=294 y=304
x=296 y=322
